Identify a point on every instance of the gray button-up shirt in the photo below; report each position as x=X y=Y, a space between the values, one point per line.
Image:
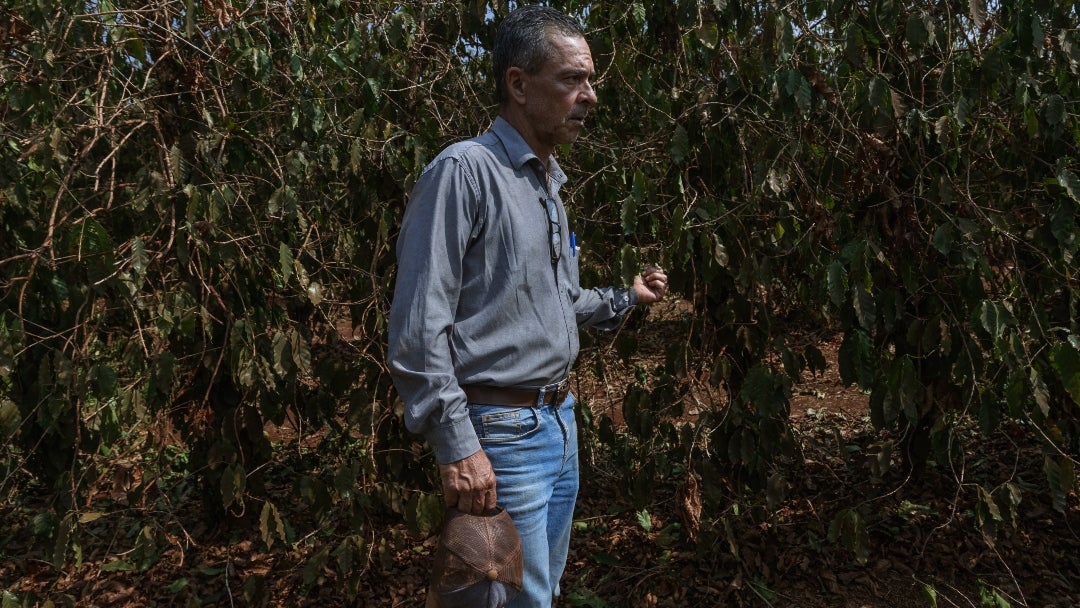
x=478 y=299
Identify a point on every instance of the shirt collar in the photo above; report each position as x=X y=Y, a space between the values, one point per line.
x=519 y=153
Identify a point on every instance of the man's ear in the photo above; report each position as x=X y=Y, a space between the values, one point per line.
x=515 y=84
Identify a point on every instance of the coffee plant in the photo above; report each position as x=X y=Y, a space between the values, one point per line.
x=198 y=204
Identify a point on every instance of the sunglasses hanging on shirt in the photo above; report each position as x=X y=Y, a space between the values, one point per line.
x=553 y=224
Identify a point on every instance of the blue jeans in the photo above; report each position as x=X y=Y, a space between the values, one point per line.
x=534 y=453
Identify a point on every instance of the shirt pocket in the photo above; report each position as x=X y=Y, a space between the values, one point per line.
x=575 y=266
x=502 y=425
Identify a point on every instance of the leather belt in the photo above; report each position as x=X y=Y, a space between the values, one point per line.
x=517 y=397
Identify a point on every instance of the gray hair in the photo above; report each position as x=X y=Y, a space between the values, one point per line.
x=522 y=40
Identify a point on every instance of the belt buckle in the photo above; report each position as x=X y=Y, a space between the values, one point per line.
x=558 y=389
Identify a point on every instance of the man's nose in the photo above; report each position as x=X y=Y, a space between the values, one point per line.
x=588 y=94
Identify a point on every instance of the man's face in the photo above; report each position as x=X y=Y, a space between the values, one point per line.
x=558 y=97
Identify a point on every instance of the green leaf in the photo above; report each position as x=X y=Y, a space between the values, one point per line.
x=1064 y=228
x=856 y=359
x=1061 y=477
x=605 y=559
x=930 y=594
x=635 y=410
x=628 y=264
x=778 y=181
x=104 y=380
x=799 y=89
x=139 y=258
x=345 y=478
x=638 y=195
x=986 y=508
x=1068 y=180
x=1070 y=48
x=680 y=143
x=995 y=318
x=313 y=568
x=962 y=109
x=1066 y=362
x=91 y=516
x=991 y=598
x=1040 y=392
x=764 y=390
x=785 y=37
x=233 y=483
x=336 y=60
x=349 y=553
x=62 y=541
x=10 y=418
x=865 y=306
x=301 y=351
x=177 y=165
x=93 y=239
x=943 y=239
x=1054 y=110
x=178 y=585
x=916 y=31
x=637 y=10
x=708 y=34
x=837 y=283
x=285 y=261
x=903 y=392
x=720 y=255
x=847 y=530
x=314 y=293
x=301 y=274
x=271 y=527
x=282 y=352
x=1008 y=497
x=282 y=198
x=373 y=95
x=644 y=520
x=296 y=65
x=118 y=565
x=424 y=513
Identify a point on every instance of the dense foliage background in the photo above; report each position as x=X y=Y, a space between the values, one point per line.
x=198 y=202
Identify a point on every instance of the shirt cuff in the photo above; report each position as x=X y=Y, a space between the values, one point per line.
x=623 y=299
x=453 y=442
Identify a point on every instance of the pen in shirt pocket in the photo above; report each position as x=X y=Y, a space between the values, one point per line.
x=573 y=244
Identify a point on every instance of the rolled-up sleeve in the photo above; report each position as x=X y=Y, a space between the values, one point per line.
x=438 y=224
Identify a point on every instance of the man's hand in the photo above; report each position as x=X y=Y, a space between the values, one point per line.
x=469 y=484
x=650 y=285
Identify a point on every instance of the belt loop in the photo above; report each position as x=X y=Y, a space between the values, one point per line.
x=540 y=396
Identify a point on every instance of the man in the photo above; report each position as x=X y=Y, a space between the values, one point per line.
x=484 y=322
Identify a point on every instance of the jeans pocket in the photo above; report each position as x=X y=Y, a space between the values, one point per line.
x=503 y=425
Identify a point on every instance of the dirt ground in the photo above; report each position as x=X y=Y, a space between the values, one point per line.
x=927 y=552
x=919 y=544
